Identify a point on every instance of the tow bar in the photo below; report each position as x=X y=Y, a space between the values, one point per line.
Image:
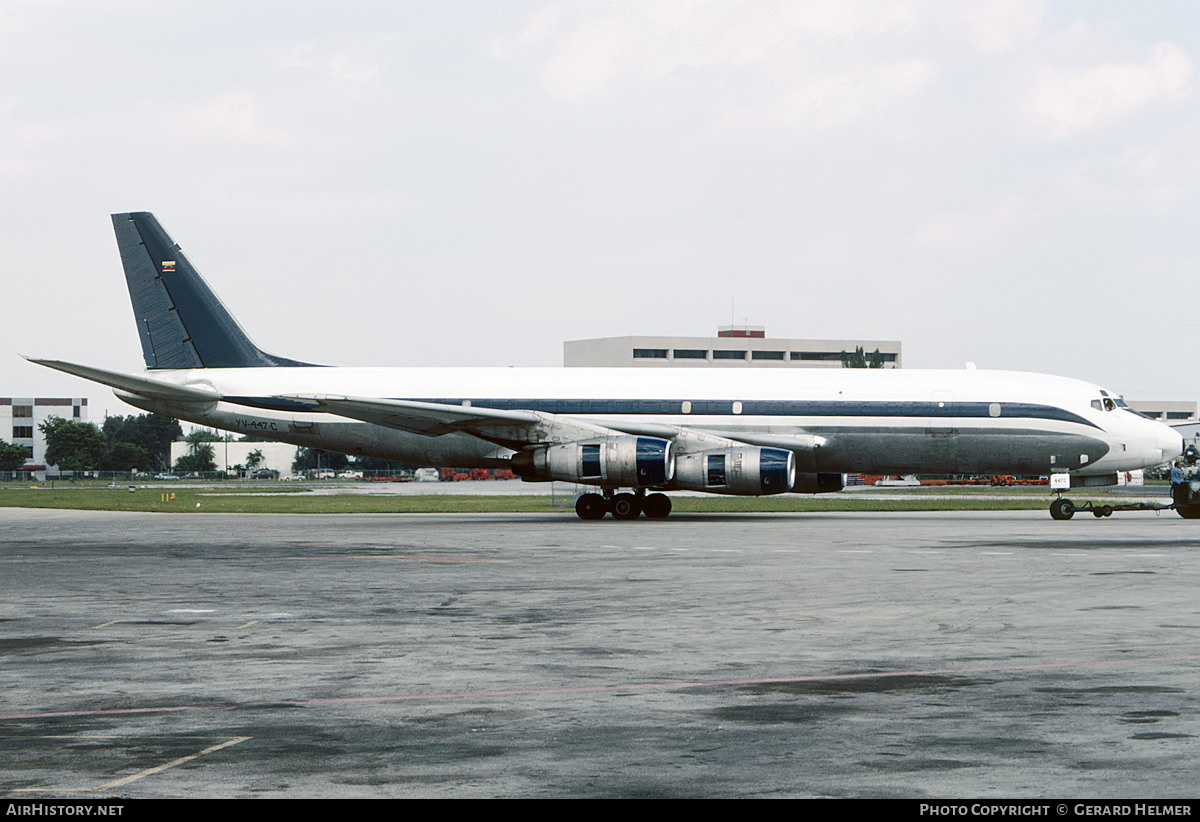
x=1063 y=508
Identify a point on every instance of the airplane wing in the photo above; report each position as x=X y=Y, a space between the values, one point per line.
x=515 y=428
x=509 y=428
x=430 y=418
x=512 y=428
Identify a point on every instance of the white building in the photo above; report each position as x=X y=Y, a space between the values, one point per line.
x=277 y=456
x=20 y=418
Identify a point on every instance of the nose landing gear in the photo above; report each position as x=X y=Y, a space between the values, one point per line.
x=1062 y=509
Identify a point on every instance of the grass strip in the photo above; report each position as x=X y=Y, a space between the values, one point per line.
x=208 y=501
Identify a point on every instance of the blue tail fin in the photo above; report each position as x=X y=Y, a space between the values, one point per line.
x=181 y=322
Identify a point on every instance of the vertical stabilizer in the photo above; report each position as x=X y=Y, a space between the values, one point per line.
x=181 y=322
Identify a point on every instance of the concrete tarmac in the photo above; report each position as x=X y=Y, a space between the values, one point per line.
x=945 y=655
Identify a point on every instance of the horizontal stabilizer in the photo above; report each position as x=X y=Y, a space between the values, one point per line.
x=142 y=386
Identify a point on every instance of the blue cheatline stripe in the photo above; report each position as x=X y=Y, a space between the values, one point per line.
x=761 y=408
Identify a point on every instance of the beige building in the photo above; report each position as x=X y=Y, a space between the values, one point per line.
x=1168 y=411
x=738 y=346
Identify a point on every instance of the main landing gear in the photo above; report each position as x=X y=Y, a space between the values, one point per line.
x=623 y=506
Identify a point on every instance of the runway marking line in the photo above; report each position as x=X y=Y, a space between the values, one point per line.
x=586 y=689
x=435 y=559
x=125 y=780
x=116 y=621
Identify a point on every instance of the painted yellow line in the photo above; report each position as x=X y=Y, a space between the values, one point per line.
x=247 y=624
x=141 y=774
x=151 y=771
x=105 y=624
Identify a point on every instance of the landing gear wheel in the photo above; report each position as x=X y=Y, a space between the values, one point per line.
x=626 y=506
x=1189 y=512
x=656 y=506
x=591 y=506
x=1062 y=509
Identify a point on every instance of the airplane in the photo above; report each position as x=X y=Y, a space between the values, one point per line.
x=632 y=434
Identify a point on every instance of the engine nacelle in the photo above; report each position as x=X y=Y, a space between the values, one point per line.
x=744 y=470
x=617 y=462
x=818 y=483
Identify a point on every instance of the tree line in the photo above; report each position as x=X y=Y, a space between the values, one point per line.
x=134 y=443
x=143 y=443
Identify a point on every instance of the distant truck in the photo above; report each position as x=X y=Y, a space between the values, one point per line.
x=893 y=482
x=455 y=474
x=988 y=479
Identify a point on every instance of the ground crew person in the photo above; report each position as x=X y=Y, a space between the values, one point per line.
x=1179 y=484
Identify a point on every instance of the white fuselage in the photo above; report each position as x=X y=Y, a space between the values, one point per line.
x=863 y=420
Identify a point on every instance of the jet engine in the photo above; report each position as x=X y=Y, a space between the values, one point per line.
x=618 y=462
x=744 y=470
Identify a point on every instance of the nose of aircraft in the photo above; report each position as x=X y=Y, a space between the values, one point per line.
x=1170 y=441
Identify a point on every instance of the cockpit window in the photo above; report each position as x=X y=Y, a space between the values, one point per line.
x=1109 y=403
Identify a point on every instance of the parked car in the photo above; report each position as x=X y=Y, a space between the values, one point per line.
x=165 y=477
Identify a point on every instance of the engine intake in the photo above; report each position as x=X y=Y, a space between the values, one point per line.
x=744 y=470
x=619 y=462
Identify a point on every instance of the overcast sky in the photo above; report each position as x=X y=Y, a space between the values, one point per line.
x=1014 y=183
